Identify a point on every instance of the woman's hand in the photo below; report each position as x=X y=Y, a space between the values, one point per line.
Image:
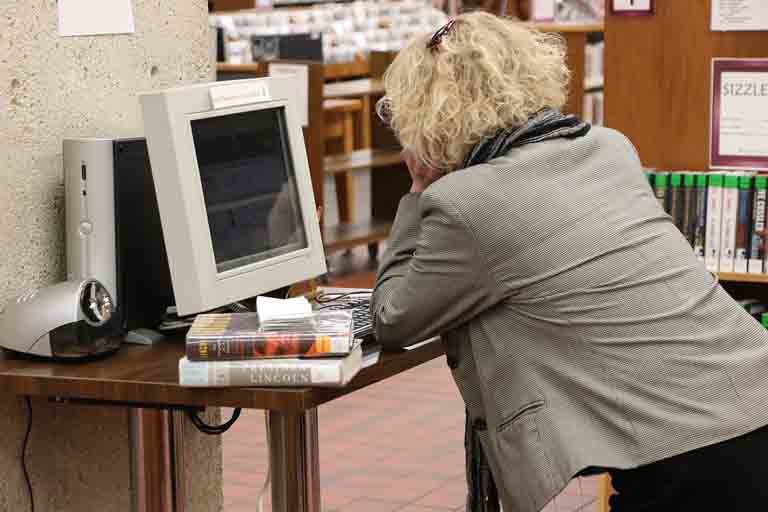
x=422 y=176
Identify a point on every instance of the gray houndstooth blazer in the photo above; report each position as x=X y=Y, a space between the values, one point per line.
x=580 y=329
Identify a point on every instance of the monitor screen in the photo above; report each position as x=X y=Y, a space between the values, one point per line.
x=249 y=187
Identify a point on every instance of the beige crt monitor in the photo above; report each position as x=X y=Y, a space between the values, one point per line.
x=233 y=190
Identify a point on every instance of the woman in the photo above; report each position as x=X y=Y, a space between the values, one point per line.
x=581 y=331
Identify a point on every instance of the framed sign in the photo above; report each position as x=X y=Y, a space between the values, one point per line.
x=631 y=7
x=739 y=114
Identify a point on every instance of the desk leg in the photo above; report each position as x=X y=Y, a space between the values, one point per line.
x=150 y=461
x=294 y=462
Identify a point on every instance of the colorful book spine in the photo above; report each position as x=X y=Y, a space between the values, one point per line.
x=266 y=345
x=714 y=221
x=660 y=185
x=689 y=207
x=700 y=230
x=757 y=243
x=743 y=225
x=676 y=199
x=729 y=221
x=332 y=372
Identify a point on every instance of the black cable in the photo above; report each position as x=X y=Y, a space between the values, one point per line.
x=326 y=297
x=24 y=454
x=213 y=430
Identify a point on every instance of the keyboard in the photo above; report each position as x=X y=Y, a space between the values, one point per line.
x=361 y=314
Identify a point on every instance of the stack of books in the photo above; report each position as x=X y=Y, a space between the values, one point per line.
x=722 y=215
x=238 y=349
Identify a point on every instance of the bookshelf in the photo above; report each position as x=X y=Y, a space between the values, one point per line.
x=657 y=92
x=735 y=277
x=575 y=36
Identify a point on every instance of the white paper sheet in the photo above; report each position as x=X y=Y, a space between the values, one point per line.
x=95 y=17
x=739 y=15
x=300 y=72
x=270 y=308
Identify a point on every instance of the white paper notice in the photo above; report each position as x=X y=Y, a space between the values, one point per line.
x=270 y=308
x=95 y=17
x=739 y=15
x=744 y=114
x=300 y=72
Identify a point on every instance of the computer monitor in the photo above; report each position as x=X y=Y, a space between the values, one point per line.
x=233 y=190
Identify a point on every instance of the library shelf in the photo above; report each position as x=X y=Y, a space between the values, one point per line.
x=736 y=277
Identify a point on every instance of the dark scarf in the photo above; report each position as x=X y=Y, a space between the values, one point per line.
x=546 y=125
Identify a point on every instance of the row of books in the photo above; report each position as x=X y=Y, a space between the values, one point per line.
x=722 y=215
x=238 y=349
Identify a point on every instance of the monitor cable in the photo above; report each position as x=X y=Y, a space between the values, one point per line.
x=213 y=430
x=24 y=454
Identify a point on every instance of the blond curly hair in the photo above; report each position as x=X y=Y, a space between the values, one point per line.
x=487 y=73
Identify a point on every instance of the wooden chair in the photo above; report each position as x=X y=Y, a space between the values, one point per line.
x=341 y=117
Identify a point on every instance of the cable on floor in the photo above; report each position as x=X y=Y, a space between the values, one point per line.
x=24 y=454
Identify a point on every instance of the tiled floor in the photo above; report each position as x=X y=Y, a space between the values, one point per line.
x=394 y=446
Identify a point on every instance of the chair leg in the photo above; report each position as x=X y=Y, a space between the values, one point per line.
x=345 y=196
x=604 y=491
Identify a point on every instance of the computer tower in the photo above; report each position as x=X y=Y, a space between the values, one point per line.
x=113 y=227
x=144 y=287
x=90 y=211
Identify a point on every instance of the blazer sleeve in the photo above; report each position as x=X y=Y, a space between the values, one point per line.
x=432 y=277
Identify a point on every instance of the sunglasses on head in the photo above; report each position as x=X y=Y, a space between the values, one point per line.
x=437 y=37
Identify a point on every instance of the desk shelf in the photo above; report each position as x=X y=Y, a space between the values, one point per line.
x=360 y=160
x=735 y=277
x=346 y=236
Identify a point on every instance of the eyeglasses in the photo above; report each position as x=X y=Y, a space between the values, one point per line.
x=437 y=37
x=384 y=110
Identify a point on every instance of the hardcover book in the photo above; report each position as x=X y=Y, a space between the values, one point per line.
x=714 y=218
x=743 y=225
x=237 y=336
x=676 y=199
x=325 y=372
x=757 y=244
x=699 y=232
x=729 y=222
x=689 y=207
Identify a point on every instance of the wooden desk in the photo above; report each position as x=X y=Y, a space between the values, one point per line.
x=141 y=376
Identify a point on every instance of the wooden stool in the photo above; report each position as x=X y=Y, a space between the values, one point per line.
x=340 y=117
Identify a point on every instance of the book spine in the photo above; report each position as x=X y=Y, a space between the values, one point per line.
x=660 y=184
x=728 y=226
x=676 y=200
x=689 y=208
x=757 y=244
x=224 y=348
x=701 y=217
x=743 y=225
x=246 y=373
x=714 y=217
